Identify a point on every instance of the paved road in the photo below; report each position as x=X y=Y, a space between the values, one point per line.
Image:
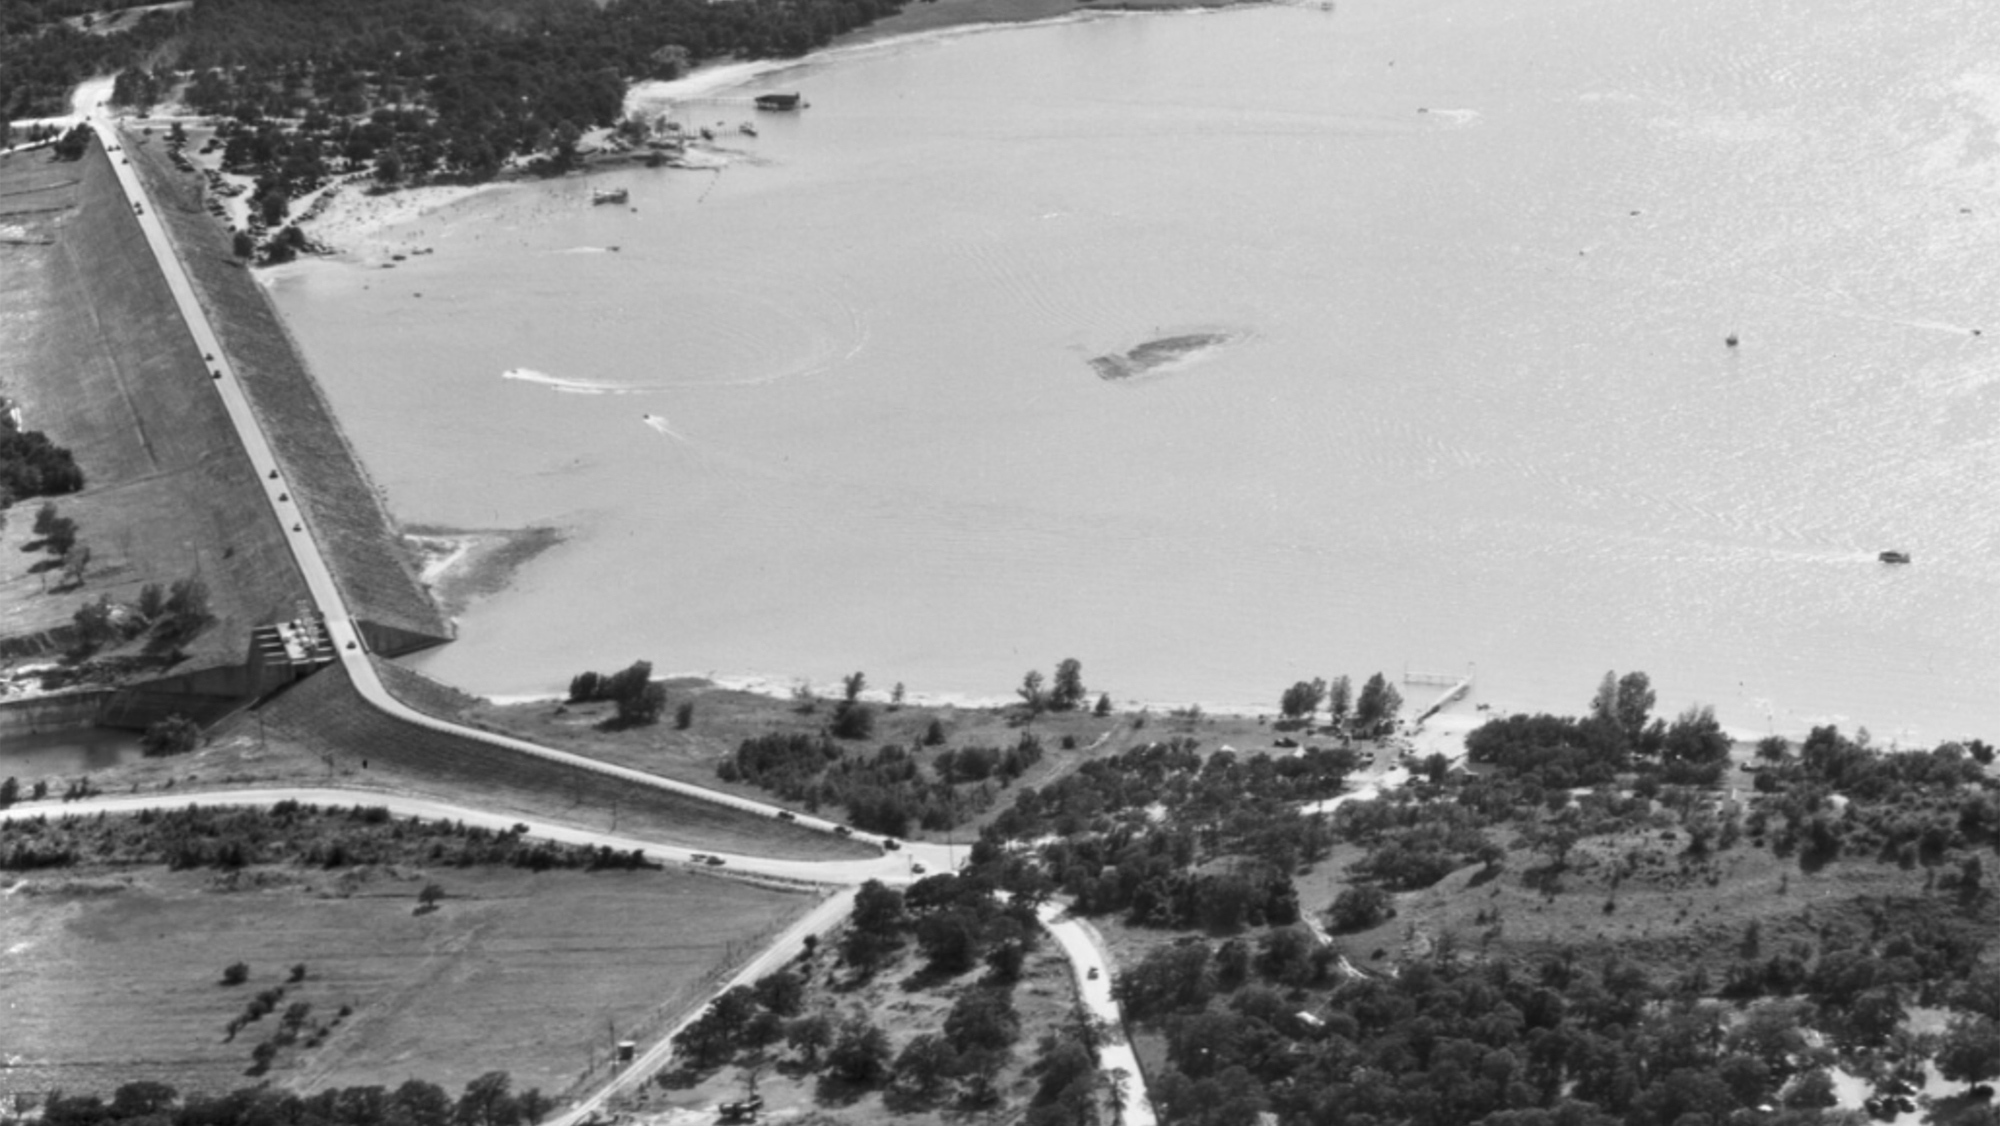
x=1092 y=965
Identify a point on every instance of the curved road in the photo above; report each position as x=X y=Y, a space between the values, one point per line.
x=1085 y=956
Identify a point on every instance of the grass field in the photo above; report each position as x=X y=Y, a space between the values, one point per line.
x=99 y=359
x=527 y=973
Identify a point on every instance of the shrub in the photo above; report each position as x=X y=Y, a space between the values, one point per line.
x=853 y=720
x=1358 y=908
x=174 y=735
x=684 y=715
x=236 y=973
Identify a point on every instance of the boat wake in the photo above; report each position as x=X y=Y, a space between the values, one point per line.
x=659 y=423
x=574 y=386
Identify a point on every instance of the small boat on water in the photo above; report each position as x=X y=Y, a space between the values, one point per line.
x=747 y=129
x=1894 y=557
x=609 y=195
x=779 y=102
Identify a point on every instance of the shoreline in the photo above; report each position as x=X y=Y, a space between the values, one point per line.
x=460 y=566
x=352 y=222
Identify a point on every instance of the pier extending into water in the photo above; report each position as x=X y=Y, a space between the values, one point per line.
x=1455 y=685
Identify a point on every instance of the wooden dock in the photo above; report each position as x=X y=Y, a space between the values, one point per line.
x=1455 y=686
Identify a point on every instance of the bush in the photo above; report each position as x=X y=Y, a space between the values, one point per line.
x=1358 y=908
x=236 y=973
x=684 y=715
x=853 y=720
x=174 y=735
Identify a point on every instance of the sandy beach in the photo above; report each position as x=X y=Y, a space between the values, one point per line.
x=354 y=222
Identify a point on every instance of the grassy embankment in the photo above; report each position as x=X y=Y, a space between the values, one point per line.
x=324 y=718
x=99 y=359
x=341 y=506
x=114 y=976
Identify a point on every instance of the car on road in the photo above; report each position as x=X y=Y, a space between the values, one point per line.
x=787 y=815
x=843 y=831
x=891 y=843
x=917 y=868
x=714 y=861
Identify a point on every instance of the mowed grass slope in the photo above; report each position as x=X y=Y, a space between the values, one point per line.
x=515 y=971
x=325 y=716
x=99 y=359
x=347 y=516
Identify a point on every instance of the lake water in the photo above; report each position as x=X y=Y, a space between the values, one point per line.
x=1475 y=263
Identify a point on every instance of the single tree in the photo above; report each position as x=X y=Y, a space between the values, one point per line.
x=235 y=973
x=1067 y=693
x=853 y=683
x=1970 y=1052
x=1103 y=704
x=924 y=1065
x=1376 y=707
x=1302 y=699
x=1339 y=698
x=1031 y=692
x=860 y=1052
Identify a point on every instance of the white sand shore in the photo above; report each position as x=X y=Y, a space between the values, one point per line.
x=356 y=223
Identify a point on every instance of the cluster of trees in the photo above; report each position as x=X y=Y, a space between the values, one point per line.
x=33 y=466
x=1222 y=796
x=1065 y=693
x=1619 y=735
x=486 y=1101
x=1183 y=977
x=59 y=539
x=1170 y=837
x=1414 y=845
x=958 y=925
x=639 y=699
x=172 y=615
x=42 y=58
x=467 y=88
x=886 y=791
x=1568 y=1039
x=1372 y=712
x=288 y=832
